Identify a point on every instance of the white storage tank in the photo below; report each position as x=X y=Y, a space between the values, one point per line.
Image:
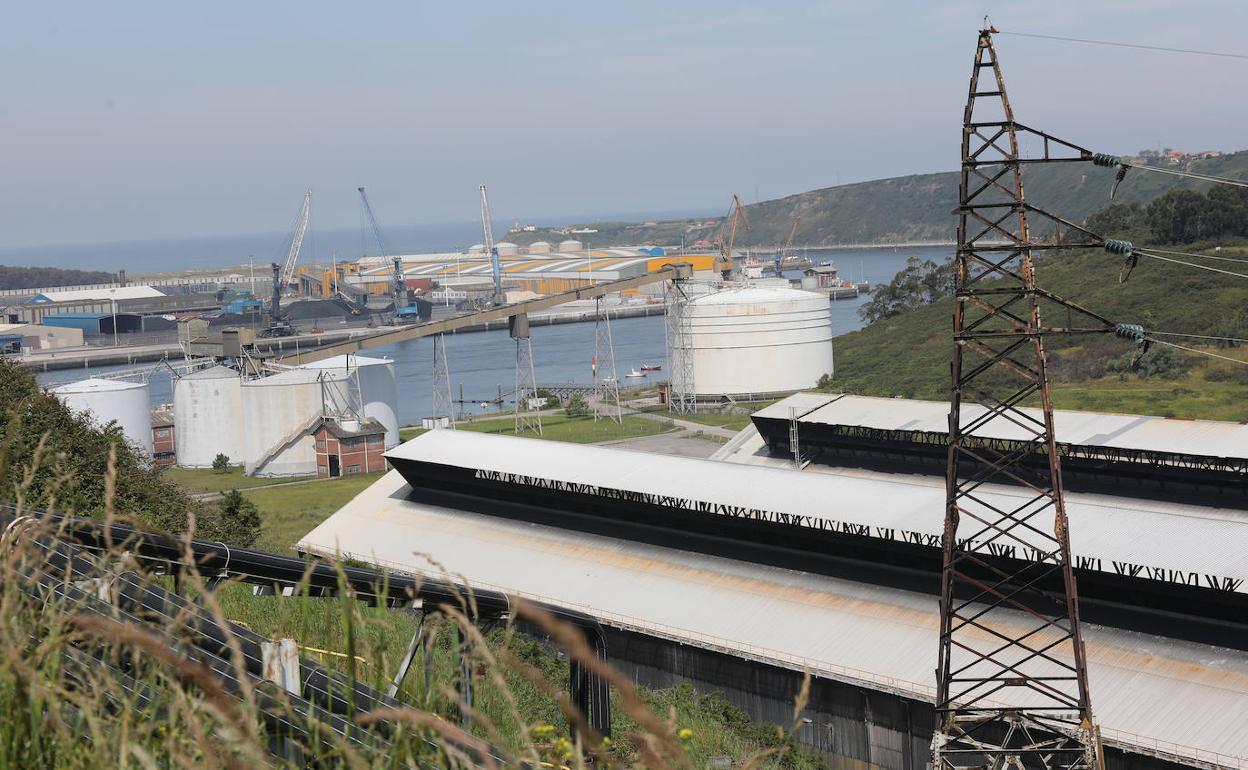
x=571 y=245
x=378 y=389
x=476 y=248
x=127 y=403
x=754 y=342
x=277 y=412
x=539 y=247
x=506 y=249
x=208 y=417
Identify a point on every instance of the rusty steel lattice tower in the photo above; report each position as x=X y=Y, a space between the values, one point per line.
x=1012 y=686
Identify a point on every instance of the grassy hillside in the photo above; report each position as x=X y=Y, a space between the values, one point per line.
x=908 y=355
x=900 y=209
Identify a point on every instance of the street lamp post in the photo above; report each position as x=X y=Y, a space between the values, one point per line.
x=112 y=300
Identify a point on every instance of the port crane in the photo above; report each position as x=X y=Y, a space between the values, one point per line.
x=287 y=275
x=736 y=214
x=788 y=244
x=398 y=286
x=496 y=268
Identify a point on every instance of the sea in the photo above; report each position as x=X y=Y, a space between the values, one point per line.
x=482 y=364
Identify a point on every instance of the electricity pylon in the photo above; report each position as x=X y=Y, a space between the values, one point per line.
x=1012 y=682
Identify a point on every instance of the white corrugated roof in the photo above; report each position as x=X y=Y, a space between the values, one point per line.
x=94 y=385
x=1172 y=692
x=1166 y=541
x=1209 y=438
x=119 y=293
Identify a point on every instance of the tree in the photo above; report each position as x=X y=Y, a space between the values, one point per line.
x=921 y=282
x=237 y=520
x=577 y=406
x=220 y=463
x=66 y=457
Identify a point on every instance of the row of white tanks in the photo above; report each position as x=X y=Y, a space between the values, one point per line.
x=263 y=424
x=752 y=341
x=742 y=341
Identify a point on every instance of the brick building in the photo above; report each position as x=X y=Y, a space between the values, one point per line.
x=347 y=447
x=163 y=445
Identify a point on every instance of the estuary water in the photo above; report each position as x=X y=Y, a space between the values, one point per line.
x=482 y=364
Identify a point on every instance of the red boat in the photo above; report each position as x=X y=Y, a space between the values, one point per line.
x=651 y=367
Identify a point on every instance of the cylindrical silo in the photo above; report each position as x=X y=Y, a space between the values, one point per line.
x=753 y=342
x=208 y=417
x=571 y=245
x=277 y=413
x=506 y=249
x=126 y=403
x=476 y=248
x=539 y=247
x=377 y=389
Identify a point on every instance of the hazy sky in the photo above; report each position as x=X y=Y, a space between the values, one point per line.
x=135 y=120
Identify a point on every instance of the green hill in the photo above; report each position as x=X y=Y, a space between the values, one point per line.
x=899 y=209
x=908 y=355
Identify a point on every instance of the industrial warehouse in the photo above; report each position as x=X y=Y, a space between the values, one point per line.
x=716 y=572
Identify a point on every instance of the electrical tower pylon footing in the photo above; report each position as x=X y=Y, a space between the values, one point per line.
x=443 y=402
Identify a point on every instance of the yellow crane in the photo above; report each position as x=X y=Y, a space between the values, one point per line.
x=736 y=214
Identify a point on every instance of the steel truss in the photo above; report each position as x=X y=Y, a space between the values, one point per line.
x=443 y=401
x=682 y=396
x=527 y=417
x=607 y=387
x=1012 y=687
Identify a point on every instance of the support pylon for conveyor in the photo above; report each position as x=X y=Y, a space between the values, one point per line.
x=527 y=417
x=681 y=393
x=443 y=403
x=606 y=387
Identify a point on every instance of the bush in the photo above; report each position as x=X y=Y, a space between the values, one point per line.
x=220 y=463
x=237 y=520
x=1160 y=362
x=577 y=406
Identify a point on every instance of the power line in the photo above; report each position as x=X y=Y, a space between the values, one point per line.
x=1144 y=253
x=1197 y=256
x=1200 y=336
x=1129 y=45
x=1195 y=350
x=1188 y=174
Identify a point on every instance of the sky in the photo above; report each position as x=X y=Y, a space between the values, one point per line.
x=144 y=120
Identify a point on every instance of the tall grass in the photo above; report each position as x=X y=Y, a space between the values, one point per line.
x=89 y=678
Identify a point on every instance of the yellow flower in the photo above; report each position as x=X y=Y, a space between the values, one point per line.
x=684 y=733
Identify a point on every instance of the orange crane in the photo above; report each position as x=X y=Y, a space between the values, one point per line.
x=737 y=213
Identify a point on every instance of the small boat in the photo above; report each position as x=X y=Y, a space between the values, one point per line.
x=634 y=373
x=651 y=367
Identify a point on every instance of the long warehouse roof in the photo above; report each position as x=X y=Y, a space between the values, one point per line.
x=1187 y=699
x=1160 y=541
x=1207 y=438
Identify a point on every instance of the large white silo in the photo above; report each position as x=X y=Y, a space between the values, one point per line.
x=374 y=392
x=208 y=417
x=506 y=249
x=753 y=342
x=126 y=403
x=277 y=412
x=571 y=245
x=539 y=247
